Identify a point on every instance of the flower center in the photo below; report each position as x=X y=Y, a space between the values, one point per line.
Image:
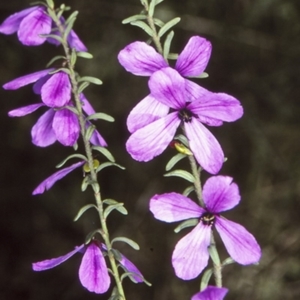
x=185 y=115
x=208 y=219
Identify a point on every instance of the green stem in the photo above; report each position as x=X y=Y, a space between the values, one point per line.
x=217 y=266
x=88 y=151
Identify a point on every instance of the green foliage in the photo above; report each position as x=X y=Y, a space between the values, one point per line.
x=76 y=155
x=83 y=210
x=183 y=174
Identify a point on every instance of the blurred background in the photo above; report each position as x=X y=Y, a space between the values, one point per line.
x=256 y=47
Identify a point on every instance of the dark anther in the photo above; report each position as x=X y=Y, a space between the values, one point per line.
x=208 y=219
x=185 y=115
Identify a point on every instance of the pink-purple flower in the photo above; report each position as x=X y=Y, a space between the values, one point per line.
x=191 y=254
x=31 y=24
x=141 y=59
x=211 y=293
x=57 y=123
x=93 y=272
x=168 y=87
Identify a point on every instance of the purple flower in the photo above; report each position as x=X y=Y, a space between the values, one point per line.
x=31 y=24
x=211 y=293
x=57 y=125
x=169 y=88
x=141 y=59
x=93 y=272
x=191 y=255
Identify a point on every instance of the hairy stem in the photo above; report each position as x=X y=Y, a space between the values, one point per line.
x=88 y=151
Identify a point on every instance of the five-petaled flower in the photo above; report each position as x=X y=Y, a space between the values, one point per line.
x=57 y=123
x=168 y=87
x=93 y=272
x=211 y=293
x=191 y=254
x=141 y=59
x=34 y=22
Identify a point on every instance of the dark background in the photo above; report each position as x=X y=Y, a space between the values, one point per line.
x=255 y=57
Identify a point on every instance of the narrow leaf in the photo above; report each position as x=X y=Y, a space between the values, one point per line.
x=205 y=279
x=54 y=59
x=73 y=57
x=183 y=174
x=89 y=132
x=83 y=210
x=167 y=44
x=77 y=155
x=91 y=235
x=185 y=224
x=144 y=26
x=90 y=79
x=85 y=55
x=53 y=36
x=105 y=152
x=158 y=22
x=110 y=201
x=101 y=116
x=83 y=86
x=168 y=26
x=174 y=160
x=182 y=139
x=67 y=71
x=134 y=18
x=173 y=56
x=227 y=261
x=126 y=240
x=119 y=207
x=108 y=164
x=188 y=190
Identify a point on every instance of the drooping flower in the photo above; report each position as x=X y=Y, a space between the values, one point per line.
x=141 y=59
x=211 y=293
x=169 y=88
x=31 y=24
x=57 y=125
x=191 y=254
x=93 y=272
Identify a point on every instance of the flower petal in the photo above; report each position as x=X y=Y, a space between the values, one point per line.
x=97 y=139
x=86 y=105
x=27 y=79
x=49 y=182
x=240 y=244
x=191 y=255
x=66 y=127
x=145 y=112
x=25 y=110
x=75 y=42
x=42 y=133
x=33 y=26
x=220 y=194
x=51 y=263
x=141 y=59
x=93 y=273
x=173 y=207
x=217 y=106
x=130 y=267
x=211 y=293
x=194 y=91
x=12 y=23
x=37 y=87
x=194 y=58
x=151 y=140
x=204 y=146
x=56 y=92
x=168 y=87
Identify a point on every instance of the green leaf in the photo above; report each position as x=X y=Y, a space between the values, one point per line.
x=152 y=6
x=85 y=183
x=110 y=201
x=185 y=224
x=134 y=18
x=126 y=240
x=96 y=187
x=89 y=132
x=173 y=56
x=83 y=210
x=90 y=79
x=183 y=174
x=70 y=23
x=91 y=235
x=83 y=86
x=174 y=160
x=202 y=75
x=70 y=108
x=73 y=57
x=188 y=190
x=167 y=44
x=53 y=36
x=182 y=139
x=54 y=59
x=205 y=279
x=105 y=152
x=108 y=164
x=50 y=3
x=119 y=207
x=77 y=155
x=228 y=261
x=158 y=22
x=67 y=71
x=101 y=116
x=213 y=252
x=85 y=55
x=72 y=16
x=168 y=26
x=144 y=26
